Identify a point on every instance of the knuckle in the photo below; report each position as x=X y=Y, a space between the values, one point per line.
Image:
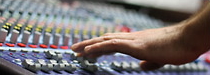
x=106 y=37
x=140 y=44
x=115 y=42
x=85 y=42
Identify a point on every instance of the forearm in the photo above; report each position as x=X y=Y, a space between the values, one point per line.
x=196 y=31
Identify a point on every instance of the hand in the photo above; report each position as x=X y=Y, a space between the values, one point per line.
x=155 y=46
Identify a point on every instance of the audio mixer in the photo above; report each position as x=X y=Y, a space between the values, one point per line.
x=36 y=36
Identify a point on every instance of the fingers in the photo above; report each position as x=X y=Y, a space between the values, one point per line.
x=147 y=66
x=98 y=55
x=110 y=46
x=109 y=34
x=79 y=47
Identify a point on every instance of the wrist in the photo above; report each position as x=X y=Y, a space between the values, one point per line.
x=194 y=37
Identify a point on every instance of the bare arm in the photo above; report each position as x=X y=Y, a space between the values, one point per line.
x=177 y=44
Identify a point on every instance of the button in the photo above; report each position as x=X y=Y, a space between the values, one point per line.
x=66 y=40
x=73 y=56
x=80 y=59
x=59 y=67
x=207 y=58
x=43 y=46
x=201 y=67
x=21 y=45
x=92 y=60
x=3 y=34
x=88 y=66
x=35 y=67
x=29 y=64
x=181 y=68
x=63 y=61
x=58 y=57
x=33 y=46
x=56 y=39
x=14 y=36
x=70 y=67
x=194 y=66
x=86 y=37
x=188 y=67
x=135 y=66
x=36 y=37
x=57 y=52
x=174 y=68
x=125 y=66
x=76 y=39
x=25 y=37
x=1 y=49
x=54 y=62
x=85 y=63
x=1 y=44
x=35 y=51
x=166 y=68
x=68 y=52
x=50 y=54
x=115 y=65
x=46 y=38
x=12 y=50
x=54 y=46
x=92 y=68
x=17 y=60
x=45 y=66
x=10 y=45
x=64 y=47
x=41 y=61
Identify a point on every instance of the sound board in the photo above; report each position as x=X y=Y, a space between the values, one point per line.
x=36 y=36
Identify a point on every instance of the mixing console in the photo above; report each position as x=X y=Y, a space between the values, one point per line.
x=36 y=36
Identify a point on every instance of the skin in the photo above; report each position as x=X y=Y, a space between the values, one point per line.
x=178 y=44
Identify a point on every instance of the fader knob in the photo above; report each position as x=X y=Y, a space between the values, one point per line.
x=59 y=67
x=89 y=66
x=125 y=66
x=41 y=61
x=66 y=40
x=56 y=39
x=46 y=38
x=17 y=60
x=73 y=56
x=63 y=61
x=45 y=66
x=58 y=57
x=70 y=67
x=54 y=62
x=50 y=54
x=135 y=66
x=25 y=37
x=14 y=36
x=3 y=34
x=115 y=65
x=36 y=37
x=29 y=64
x=35 y=67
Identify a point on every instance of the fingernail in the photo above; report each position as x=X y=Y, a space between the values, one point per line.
x=73 y=46
x=87 y=48
x=79 y=55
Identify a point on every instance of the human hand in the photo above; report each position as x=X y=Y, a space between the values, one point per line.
x=155 y=47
